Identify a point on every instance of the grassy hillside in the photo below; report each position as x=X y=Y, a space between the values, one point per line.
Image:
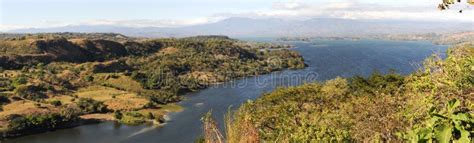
x=435 y=103
x=54 y=81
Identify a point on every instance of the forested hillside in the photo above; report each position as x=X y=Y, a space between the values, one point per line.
x=50 y=81
x=436 y=103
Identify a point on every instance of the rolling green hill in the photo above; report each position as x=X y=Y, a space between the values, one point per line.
x=55 y=81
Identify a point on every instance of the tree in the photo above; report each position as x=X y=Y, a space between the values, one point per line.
x=150 y=116
x=20 y=80
x=4 y=99
x=70 y=112
x=447 y=3
x=89 y=78
x=118 y=115
x=56 y=103
x=30 y=92
x=89 y=105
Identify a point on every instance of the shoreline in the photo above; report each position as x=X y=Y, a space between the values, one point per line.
x=97 y=118
x=88 y=119
x=82 y=121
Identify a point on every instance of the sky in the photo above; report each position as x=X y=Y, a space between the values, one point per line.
x=15 y=14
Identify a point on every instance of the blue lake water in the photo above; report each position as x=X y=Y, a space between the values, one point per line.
x=325 y=59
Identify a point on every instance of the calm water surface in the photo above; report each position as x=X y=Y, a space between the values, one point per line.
x=325 y=59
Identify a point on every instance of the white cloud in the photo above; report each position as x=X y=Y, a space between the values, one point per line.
x=351 y=9
x=150 y=23
x=400 y=15
x=295 y=9
x=290 y=5
x=340 y=5
x=11 y=27
x=125 y=23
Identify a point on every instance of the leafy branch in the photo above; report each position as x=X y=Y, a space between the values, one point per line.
x=449 y=124
x=446 y=4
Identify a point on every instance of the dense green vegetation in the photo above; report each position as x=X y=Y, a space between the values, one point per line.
x=435 y=103
x=24 y=124
x=88 y=105
x=113 y=77
x=198 y=64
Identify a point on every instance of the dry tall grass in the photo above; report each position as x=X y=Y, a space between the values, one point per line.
x=238 y=130
x=211 y=132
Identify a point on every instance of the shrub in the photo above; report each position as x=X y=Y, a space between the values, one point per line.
x=448 y=125
x=6 y=85
x=19 y=123
x=118 y=115
x=4 y=99
x=70 y=112
x=377 y=84
x=150 y=116
x=30 y=92
x=89 y=78
x=133 y=118
x=20 y=80
x=55 y=103
x=88 y=105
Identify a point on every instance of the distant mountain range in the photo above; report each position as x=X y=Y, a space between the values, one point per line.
x=247 y=27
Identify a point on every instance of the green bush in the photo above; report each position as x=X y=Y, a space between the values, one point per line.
x=31 y=92
x=448 y=125
x=133 y=118
x=118 y=115
x=150 y=116
x=29 y=123
x=6 y=85
x=55 y=103
x=89 y=78
x=20 y=80
x=4 y=99
x=88 y=105
x=377 y=84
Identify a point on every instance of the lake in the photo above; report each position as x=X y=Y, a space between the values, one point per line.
x=325 y=60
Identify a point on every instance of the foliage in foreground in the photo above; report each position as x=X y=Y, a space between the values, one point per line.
x=433 y=104
x=449 y=124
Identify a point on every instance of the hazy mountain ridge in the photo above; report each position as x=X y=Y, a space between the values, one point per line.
x=247 y=27
x=443 y=39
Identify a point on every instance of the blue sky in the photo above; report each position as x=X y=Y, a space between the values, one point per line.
x=168 y=13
